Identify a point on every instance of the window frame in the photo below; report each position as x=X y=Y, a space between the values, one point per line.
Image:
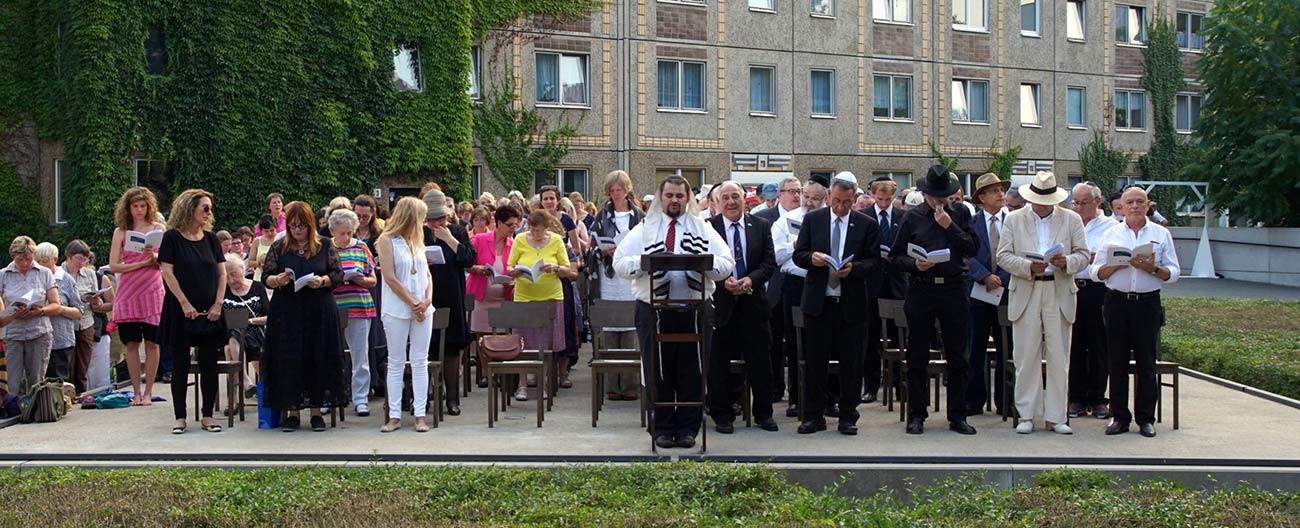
x=691 y=185
x=1083 y=21
x=832 y=114
x=416 y=64
x=557 y=179
x=894 y=175
x=559 y=79
x=759 y=9
x=817 y=14
x=60 y=216
x=476 y=72
x=681 y=87
x=1128 y=110
x=1142 y=22
x=1083 y=108
x=1193 y=118
x=685 y=2
x=967 y=84
x=771 y=90
x=892 y=15
x=476 y=181
x=1178 y=17
x=1036 y=90
x=1038 y=19
x=964 y=26
x=893 y=87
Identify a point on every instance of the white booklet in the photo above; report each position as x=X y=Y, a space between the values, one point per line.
x=794 y=226
x=137 y=241
x=301 y=282
x=937 y=256
x=32 y=298
x=994 y=297
x=531 y=273
x=1046 y=255
x=884 y=251
x=352 y=273
x=835 y=265
x=91 y=295
x=1121 y=255
x=610 y=243
x=495 y=278
x=433 y=254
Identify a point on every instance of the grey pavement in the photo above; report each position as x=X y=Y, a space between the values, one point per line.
x=1231 y=289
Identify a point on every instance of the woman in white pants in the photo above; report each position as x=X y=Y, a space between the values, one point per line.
x=407 y=300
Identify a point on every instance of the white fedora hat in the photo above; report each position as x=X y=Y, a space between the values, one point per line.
x=1043 y=190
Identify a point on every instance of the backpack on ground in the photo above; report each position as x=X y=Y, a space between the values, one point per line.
x=44 y=403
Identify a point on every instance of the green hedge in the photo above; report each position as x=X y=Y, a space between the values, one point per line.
x=1250 y=341
x=682 y=494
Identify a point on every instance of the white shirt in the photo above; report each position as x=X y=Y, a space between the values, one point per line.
x=887 y=212
x=1094 y=230
x=1043 y=226
x=678 y=288
x=414 y=283
x=730 y=237
x=1130 y=279
x=783 y=239
x=833 y=284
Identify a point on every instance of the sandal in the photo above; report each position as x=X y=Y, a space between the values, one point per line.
x=211 y=427
x=179 y=428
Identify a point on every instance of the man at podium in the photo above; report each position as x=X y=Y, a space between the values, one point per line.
x=672 y=225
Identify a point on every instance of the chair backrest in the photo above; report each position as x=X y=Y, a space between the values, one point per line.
x=1003 y=319
x=892 y=310
x=343 y=318
x=236 y=318
x=469 y=302
x=612 y=314
x=441 y=320
x=514 y=315
x=796 y=314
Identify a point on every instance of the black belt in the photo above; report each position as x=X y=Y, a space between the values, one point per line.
x=1085 y=283
x=832 y=298
x=1044 y=277
x=1131 y=296
x=954 y=279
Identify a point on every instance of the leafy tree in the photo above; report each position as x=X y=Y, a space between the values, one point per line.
x=952 y=163
x=1250 y=122
x=506 y=131
x=1102 y=164
x=1002 y=161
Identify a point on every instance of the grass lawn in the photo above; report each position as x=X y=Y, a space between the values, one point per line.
x=1250 y=341
x=682 y=494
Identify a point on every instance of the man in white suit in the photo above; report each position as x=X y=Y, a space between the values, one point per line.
x=1042 y=301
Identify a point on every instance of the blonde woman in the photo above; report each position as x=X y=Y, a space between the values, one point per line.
x=139 y=296
x=407 y=308
x=29 y=297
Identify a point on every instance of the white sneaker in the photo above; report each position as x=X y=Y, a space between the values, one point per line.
x=363 y=409
x=1025 y=427
x=521 y=394
x=1062 y=429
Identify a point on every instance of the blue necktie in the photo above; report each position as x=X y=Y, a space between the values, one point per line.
x=738 y=251
x=884 y=226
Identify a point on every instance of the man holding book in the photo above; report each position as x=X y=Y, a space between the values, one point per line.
x=1042 y=246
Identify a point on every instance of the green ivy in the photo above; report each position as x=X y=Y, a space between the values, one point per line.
x=1163 y=79
x=19 y=208
x=1001 y=162
x=1102 y=164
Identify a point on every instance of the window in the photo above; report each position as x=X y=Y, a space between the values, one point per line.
x=824 y=8
x=694 y=177
x=406 y=69
x=1076 y=19
x=1076 y=100
x=475 y=60
x=1187 y=111
x=762 y=5
x=1129 y=107
x=903 y=179
x=893 y=97
x=760 y=90
x=562 y=79
x=681 y=85
x=828 y=174
x=822 y=90
x=567 y=179
x=155 y=53
x=1029 y=104
x=476 y=181
x=1029 y=17
x=692 y=2
x=1189 y=31
x=62 y=191
x=970 y=14
x=156 y=176
x=892 y=10
x=970 y=101
x=1130 y=24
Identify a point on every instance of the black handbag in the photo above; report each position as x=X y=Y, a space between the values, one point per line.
x=202 y=327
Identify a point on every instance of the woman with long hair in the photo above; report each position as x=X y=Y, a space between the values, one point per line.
x=407 y=309
x=139 y=296
x=194 y=270
x=302 y=363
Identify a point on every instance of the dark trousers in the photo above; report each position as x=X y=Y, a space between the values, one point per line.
x=743 y=337
x=60 y=365
x=791 y=296
x=81 y=358
x=876 y=338
x=208 y=352
x=676 y=374
x=829 y=335
x=983 y=324
x=1133 y=332
x=1089 y=362
x=925 y=304
x=776 y=349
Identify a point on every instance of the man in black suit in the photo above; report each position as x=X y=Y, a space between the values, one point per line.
x=741 y=311
x=789 y=192
x=888 y=284
x=834 y=299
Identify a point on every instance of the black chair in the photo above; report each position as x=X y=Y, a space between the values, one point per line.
x=832 y=367
x=608 y=360
x=538 y=315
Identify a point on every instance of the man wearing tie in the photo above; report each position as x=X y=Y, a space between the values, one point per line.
x=741 y=311
x=834 y=299
x=789 y=192
x=885 y=285
x=983 y=272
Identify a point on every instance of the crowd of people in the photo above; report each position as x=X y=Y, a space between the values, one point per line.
x=351 y=279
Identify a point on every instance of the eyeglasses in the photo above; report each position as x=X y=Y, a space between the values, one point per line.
x=1082 y=202
x=206 y=208
x=795 y=192
x=296 y=225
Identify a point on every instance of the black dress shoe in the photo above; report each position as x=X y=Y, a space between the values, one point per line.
x=665 y=441
x=869 y=397
x=792 y=411
x=453 y=408
x=290 y=424
x=726 y=427
x=847 y=428
x=961 y=427
x=1116 y=428
x=833 y=410
x=1148 y=430
x=686 y=441
x=811 y=426
x=916 y=426
x=736 y=410
x=317 y=423
x=768 y=424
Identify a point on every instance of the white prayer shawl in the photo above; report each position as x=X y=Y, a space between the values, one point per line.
x=697 y=237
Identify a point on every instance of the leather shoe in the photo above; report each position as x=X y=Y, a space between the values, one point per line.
x=725 y=427
x=768 y=424
x=811 y=426
x=792 y=411
x=869 y=397
x=686 y=441
x=916 y=426
x=1147 y=430
x=833 y=410
x=665 y=441
x=961 y=427
x=848 y=429
x=453 y=408
x=1116 y=428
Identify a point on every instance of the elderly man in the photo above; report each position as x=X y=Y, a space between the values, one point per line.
x=1042 y=247
x=789 y=192
x=983 y=273
x=785 y=231
x=1014 y=201
x=1132 y=307
x=1088 y=358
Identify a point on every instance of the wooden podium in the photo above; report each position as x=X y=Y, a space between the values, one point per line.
x=667 y=262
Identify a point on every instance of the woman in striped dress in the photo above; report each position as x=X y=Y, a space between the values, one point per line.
x=354 y=297
x=139 y=298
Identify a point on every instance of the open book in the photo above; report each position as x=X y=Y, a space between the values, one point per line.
x=496 y=278
x=531 y=273
x=610 y=243
x=352 y=273
x=979 y=293
x=299 y=282
x=32 y=298
x=794 y=226
x=937 y=256
x=1121 y=255
x=1046 y=255
x=91 y=295
x=433 y=254
x=137 y=241
x=834 y=264
x=884 y=251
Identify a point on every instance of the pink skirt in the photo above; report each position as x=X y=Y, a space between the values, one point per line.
x=553 y=337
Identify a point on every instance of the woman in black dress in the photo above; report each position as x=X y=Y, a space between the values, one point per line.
x=449 y=290
x=302 y=361
x=193 y=268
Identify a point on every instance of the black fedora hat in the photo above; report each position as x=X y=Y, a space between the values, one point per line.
x=938 y=182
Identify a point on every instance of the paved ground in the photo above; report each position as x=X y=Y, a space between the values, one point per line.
x=1191 y=287
x=1216 y=423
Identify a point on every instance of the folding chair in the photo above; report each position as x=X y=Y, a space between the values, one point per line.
x=606 y=360
x=537 y=315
